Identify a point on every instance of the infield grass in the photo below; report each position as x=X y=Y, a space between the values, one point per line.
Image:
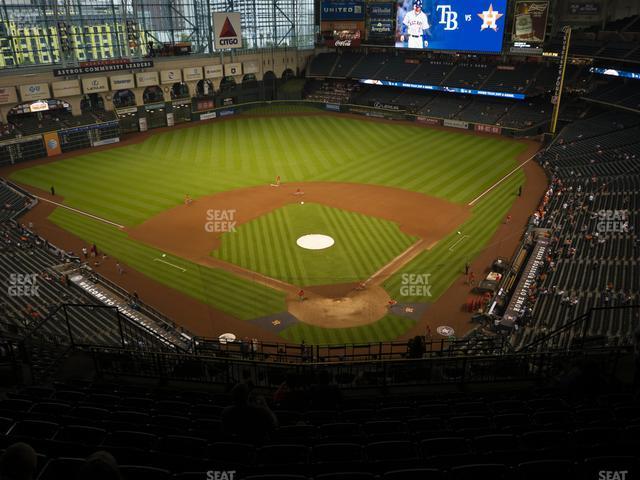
x=267 y=245
x=130 y=184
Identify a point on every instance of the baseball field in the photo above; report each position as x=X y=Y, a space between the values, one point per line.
x=406 y=207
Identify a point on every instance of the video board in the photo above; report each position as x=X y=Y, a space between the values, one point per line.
x=449 y=25
x=454 y=25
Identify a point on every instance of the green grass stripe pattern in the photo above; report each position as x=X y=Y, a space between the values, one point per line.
x=267 y=245
x=129 y=184
x=387 y=328
x=444 y=265
x=208 y=285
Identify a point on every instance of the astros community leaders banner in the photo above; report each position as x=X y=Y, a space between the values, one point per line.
x=454 y=25
x=227 y=30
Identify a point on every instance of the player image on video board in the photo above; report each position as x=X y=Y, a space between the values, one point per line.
x=413 y=27
x=458 y=25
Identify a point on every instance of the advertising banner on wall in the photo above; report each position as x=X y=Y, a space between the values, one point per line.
x=67 y=88
x=192 y=74
x=95 y=85
x=207 y=116
x=8 y=95
x=233 y=69
x=147 y=79
x=213 y=71
x=530 y=22
x=455 y=123
x=583 y=8
x=250 y=67
x=52 y=143
x=227 y=30
x=36 y=91
x=341 y=10
x=205 y=104
x=496 y=130
x=380 y=23
x=428 y=120
x=170 y=76
x=120 y=82
x=342 y=22
x=142 y=123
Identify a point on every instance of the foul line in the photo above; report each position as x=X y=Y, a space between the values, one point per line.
x=457 y=242
x=501 y=180
x=174 y=266
x=103 y=220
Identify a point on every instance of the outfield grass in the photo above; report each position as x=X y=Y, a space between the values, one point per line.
x=267 y=245
x=129 y=184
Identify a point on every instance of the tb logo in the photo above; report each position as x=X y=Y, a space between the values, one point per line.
x=448 y=17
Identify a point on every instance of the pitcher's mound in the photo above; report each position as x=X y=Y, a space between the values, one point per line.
x=358 y=307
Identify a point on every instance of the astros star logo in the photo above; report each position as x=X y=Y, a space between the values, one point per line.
x=490 y=18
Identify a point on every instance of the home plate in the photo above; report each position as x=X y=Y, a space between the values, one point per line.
x=315 y=241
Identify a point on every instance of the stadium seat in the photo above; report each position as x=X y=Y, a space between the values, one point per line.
x=183 y=445
x=391 y=455
x=280 y=476
x=346 y=476
x=546 y=469
x=231 y=454
x=61 y=468
x=36 y=429
x=142 y=472
x=414 y=474
x=480 y=472
x=81 y=434
x=132 y=439
x=282 y=455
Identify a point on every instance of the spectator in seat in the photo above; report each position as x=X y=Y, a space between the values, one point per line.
x=18 y=462
x=100 y=466
x=251 y=422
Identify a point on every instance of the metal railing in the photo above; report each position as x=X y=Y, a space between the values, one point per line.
x=531 y=366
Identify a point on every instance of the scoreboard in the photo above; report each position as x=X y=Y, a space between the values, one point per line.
x=448 y=25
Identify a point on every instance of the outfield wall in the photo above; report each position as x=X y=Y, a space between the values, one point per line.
x=168 y=114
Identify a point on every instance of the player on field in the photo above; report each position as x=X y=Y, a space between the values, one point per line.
x=414 y=27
